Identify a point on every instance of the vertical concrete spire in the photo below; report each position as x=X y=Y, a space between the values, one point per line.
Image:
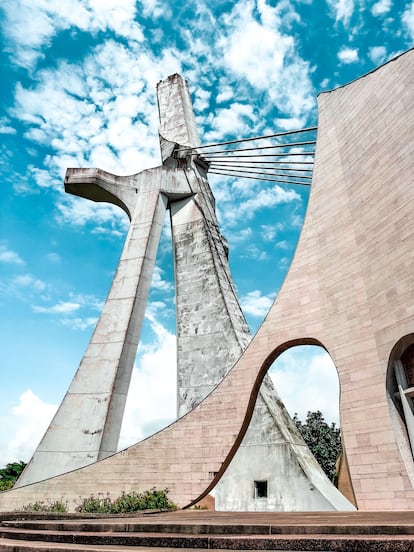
x=211 y=329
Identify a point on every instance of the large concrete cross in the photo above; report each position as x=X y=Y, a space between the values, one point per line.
x=349 y=289
x=211 y=329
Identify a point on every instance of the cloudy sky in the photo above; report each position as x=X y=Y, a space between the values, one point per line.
x=78 y=90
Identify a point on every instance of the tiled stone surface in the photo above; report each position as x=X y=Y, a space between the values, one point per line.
x=354 y=267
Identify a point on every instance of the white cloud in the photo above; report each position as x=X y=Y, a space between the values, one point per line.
x=65 y=310
x=348 y=55
x=150 y=406
x=5 y=128
x=343 y=9
x=377 y=54
x=246 y=199
x=8 y=256
x=252 y=251
x=266 y=198
x=23 y=427
x=30 y=27
x=79 y=323
x=63 y=307
x=381 y=7
x=241 y=236
x=158 y=282
x=306 y=379
x=105 y=217
x=256 y=304
x=282 y=244
x=324 y=83
x=408 y=20
x=290 y=123
x=23 y=287
x=54 y=258
x=296 y=219
x=100 y=112
x=226 y=93
x=154 y=9
x=27 y=280
x=270 y=231
x=202 y=98
x=152 y=402
x=266 y=57
x=233 y=120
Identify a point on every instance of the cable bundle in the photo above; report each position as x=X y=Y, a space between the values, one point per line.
x=289 y=162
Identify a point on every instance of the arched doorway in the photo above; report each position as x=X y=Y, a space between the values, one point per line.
x=400 y=389
x=273 y=469
x=307 y=381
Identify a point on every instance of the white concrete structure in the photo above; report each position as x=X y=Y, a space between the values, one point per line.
x=273 y=470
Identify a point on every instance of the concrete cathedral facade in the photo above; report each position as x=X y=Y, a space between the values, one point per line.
x=350 y=289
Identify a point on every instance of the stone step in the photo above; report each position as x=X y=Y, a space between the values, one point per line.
x=321 y=542
x=209 y=529
x=204 y=530
x=10 y=545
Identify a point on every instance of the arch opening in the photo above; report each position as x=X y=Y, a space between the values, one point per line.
x=282 y=474
x=400 y=393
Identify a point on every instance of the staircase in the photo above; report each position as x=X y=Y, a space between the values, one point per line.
x=200 y=529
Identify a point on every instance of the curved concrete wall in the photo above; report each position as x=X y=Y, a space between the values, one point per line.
x=350 y=288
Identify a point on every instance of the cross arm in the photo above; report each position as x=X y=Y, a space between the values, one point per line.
x=101 y=186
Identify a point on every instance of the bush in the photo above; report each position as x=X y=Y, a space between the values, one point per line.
x=324 y=441
x=5 y=485
x=10 y=474
x=95 y=505
x=40 y=506
x=127 y=502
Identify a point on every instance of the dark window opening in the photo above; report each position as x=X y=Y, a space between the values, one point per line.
x=408 y=362
x=260 y=489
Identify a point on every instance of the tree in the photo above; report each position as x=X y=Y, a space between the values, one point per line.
x=323 y=440
x=10 y=474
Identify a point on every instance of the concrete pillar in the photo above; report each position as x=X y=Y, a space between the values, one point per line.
x=87 y=424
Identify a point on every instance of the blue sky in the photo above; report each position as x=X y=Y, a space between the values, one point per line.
x=78 y=90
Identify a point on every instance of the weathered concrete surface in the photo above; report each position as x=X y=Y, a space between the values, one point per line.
x=87 y=424
x=350 y=288
x=177 y=121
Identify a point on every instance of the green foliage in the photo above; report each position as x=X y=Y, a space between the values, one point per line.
x=95 y=505
x=4 y=485
x=40 y=506
x=10 y=474
x=127 y=502
x=323 y=440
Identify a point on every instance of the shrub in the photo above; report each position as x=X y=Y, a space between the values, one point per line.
x=127 y=502
x=10 y=474
x=5 y=485
x=40 y=506
x=95 y=505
